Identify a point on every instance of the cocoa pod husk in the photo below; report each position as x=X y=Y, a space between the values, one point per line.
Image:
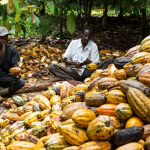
x=125 y=84
x=105 y=82
x=142 y=71
x=133 y=70
x=132 y=51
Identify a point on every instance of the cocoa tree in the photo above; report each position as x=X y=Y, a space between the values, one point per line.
x=40 y=4
x=23 y=11
x=20 y=11
x=65 y=9
x=137 y=7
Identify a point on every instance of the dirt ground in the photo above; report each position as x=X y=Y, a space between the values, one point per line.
x=118 y=34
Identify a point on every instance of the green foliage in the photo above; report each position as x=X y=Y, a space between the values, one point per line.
x=19 y=11
x=26 y=14
x=49 y=9
x=46 y=27
x=71 y=23
x=132 y=6
x=17 y=7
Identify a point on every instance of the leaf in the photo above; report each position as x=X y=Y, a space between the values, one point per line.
x=17 y=28
x=58 y=5
x=144 y=4
x=56 y=11
x=37 y=11
x=4 y=16
x=22 y=1
x=10 y=3
x=6 y=24
x=37 y=21
x=23 y=29
x=17 y=7
x=24 y=8
x=65 y=12
x=71 y=23
x=33 y=18
x=74 y=6
x=136 y=11
x=10 y=7
x=28 y=19
x=17 y=17
x=16 y=33
x=41 y=7
x=31 y=6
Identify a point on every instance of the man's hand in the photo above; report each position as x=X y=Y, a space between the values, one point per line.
x=77 y=64
x=15 y=71
x=87 y=61
x=15 y=74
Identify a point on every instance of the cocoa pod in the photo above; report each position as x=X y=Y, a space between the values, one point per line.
x=125 y=84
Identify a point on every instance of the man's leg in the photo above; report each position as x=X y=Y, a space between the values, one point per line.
x=63 y=73
x=86 y=74
x=16 y=85
x=104 y=64
x=10 y=83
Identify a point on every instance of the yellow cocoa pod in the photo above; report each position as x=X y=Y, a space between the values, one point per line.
x=91 y=66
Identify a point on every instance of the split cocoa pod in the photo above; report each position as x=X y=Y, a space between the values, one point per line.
x=15 y=70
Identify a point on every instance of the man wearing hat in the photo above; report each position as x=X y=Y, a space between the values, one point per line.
x=9 y=57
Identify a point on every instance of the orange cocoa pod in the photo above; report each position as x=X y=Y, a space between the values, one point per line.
x=107 y=109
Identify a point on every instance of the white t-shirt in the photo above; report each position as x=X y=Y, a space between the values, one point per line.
x=75 y=52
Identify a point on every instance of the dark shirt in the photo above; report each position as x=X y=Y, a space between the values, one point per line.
x=11 y=57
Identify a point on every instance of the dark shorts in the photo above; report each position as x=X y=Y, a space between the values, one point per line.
x=14 y=84
x=6 y=79
x=64 y=74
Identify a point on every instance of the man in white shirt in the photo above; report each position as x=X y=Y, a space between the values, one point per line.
x=79 y=53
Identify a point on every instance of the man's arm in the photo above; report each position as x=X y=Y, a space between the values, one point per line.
x=87 y=61
x=69 y=62
x=14 y=60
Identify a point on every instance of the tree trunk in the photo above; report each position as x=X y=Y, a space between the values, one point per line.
x=120 y=15
x=104 y=19
x=89 y=11
x=143 y=30
x=86 y=11
x=61 y=24
x=42 y=11
x=79 y=10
